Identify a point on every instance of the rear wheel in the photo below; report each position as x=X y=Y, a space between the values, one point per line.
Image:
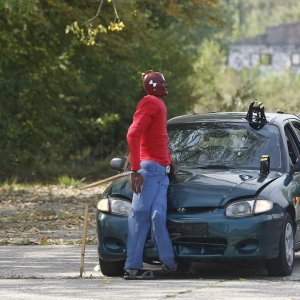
x=283 y=265
x=112 y=268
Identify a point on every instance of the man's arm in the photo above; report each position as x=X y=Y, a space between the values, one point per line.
x=141 y=120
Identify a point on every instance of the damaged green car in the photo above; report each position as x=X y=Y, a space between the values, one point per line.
x=235 y=194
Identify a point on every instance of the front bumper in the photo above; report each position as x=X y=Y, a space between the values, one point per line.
x=255 y=237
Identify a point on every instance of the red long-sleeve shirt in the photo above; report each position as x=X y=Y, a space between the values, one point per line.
x=147 y=137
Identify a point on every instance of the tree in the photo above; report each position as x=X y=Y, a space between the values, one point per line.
x=65 y=106
x=250 y=18
x=19 y=6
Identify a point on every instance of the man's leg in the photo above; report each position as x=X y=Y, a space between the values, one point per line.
x=139 y=219
x=138 y=228
x=160 y=234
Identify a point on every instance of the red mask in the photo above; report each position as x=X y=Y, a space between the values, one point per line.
x=155 y=84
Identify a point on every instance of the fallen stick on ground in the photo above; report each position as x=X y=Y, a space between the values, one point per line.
x=112 y=178
x=84 y=234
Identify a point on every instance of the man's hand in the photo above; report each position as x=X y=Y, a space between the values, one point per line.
x=137 y=181
x=172 y=174
x=172 y=169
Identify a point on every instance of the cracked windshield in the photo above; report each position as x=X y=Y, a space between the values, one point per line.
x=209 y=145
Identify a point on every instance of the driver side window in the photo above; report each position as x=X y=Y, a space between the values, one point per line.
x=296 y=127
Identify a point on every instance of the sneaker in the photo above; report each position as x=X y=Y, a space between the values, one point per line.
x=139 y=274
x=165 y=269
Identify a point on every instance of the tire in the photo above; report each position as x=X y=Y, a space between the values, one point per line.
x=283 y=265
x=112 y=268
x=183 y=266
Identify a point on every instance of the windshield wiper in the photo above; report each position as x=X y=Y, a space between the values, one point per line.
x=212 y=166
x=187 y=169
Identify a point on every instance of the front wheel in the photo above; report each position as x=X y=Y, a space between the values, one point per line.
x=112 y=268
x=283 y=265
x=183 y=266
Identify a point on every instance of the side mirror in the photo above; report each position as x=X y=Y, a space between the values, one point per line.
x=296 y=166
x=118 y=163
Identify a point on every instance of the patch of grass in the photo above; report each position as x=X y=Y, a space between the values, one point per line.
x=11 y=187
x=88 y=170
x=68 y=181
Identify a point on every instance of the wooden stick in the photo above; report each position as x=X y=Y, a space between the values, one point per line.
x=112 y=178
x=84 y=234
x=126 y=163
x=85 y=224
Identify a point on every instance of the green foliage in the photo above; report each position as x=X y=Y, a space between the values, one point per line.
x=86 y=38
x=280 y=92
x=88 y=32
x=250 y=18
x=68 y=181
x=209 y=70
x=219 y=88
x=12 y=185
x=19 y=6
x=66 y=107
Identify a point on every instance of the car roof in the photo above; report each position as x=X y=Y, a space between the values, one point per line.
x=272 y=118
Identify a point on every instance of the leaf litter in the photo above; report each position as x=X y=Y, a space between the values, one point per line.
x=46 y=215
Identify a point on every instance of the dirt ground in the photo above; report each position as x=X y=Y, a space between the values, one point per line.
x=46 y=215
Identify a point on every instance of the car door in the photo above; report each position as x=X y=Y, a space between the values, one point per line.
x=292 y=131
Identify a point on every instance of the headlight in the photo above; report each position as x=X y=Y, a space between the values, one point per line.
x=113 y=205
x=119 y=206
x=240 y=209
x=247 y=208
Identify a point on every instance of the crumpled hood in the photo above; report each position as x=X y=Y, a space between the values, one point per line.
x=214 y=188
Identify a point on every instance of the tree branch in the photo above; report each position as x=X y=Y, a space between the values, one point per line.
x=97 y=14
x=115 y=11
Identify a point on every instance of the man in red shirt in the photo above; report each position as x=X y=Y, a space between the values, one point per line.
x=150 y=161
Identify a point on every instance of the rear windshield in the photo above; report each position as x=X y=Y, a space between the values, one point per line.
x=232 y=145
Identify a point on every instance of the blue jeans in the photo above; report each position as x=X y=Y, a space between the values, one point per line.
x=148 y=210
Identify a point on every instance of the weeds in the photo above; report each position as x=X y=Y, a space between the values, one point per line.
x=67 y=181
